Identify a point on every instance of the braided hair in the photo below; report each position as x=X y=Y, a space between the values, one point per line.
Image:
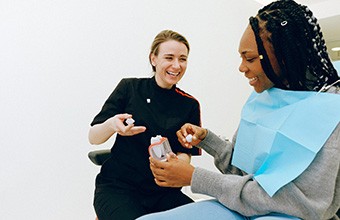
x=298 y=45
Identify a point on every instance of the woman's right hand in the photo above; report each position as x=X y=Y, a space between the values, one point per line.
x=117 y=124
x=198 y=134
x=100 y=133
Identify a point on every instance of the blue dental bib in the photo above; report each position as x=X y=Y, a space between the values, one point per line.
x=281 y=132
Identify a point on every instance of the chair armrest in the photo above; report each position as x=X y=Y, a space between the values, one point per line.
x=98 y=157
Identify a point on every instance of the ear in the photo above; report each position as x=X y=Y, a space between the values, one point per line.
x=153 y=59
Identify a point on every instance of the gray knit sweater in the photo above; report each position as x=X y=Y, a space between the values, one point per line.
x=315 y=194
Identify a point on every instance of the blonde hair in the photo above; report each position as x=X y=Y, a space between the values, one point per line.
x=162 y=37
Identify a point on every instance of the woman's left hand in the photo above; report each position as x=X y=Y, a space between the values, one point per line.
x=171 y=173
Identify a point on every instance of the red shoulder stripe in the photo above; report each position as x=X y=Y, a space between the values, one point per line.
x=189 y=96
x=184 y=93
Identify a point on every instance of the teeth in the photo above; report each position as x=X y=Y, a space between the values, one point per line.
x=252 y=79
x=173 y=74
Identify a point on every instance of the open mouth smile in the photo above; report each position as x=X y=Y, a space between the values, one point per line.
x=172 y=73
x=252 y=80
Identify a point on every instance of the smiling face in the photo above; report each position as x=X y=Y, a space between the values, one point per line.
x=251 y=64
x=170 y=63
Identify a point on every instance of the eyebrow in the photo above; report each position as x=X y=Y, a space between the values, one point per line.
x=248 y=52
x=172 y=55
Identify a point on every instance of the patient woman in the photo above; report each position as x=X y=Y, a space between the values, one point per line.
x=125 y=187
x=283 y=162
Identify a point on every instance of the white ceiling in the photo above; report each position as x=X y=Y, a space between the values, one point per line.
x=310 y=2
x=328 y=14
x=304 y=2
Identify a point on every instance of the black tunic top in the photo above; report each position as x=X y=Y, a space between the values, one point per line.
x=162 y=112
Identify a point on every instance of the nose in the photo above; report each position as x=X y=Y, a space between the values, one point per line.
x=242 y=68
x=175 y=64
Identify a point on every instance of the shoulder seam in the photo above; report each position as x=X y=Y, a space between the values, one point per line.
x=181 y=92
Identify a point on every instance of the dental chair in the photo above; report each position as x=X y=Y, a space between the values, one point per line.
x=98 y=157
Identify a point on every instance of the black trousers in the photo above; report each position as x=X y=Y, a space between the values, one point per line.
x=127 y=205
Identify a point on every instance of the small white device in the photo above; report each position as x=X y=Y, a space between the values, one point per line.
x=129 y=121
x=188 y=138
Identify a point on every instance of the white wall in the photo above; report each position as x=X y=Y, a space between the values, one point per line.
x=60 y=60
x=325 y=9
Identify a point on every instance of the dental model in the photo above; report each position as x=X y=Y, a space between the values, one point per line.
x=156 y=139
x=188 y=138
x=159 y=147
x=129 y=121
